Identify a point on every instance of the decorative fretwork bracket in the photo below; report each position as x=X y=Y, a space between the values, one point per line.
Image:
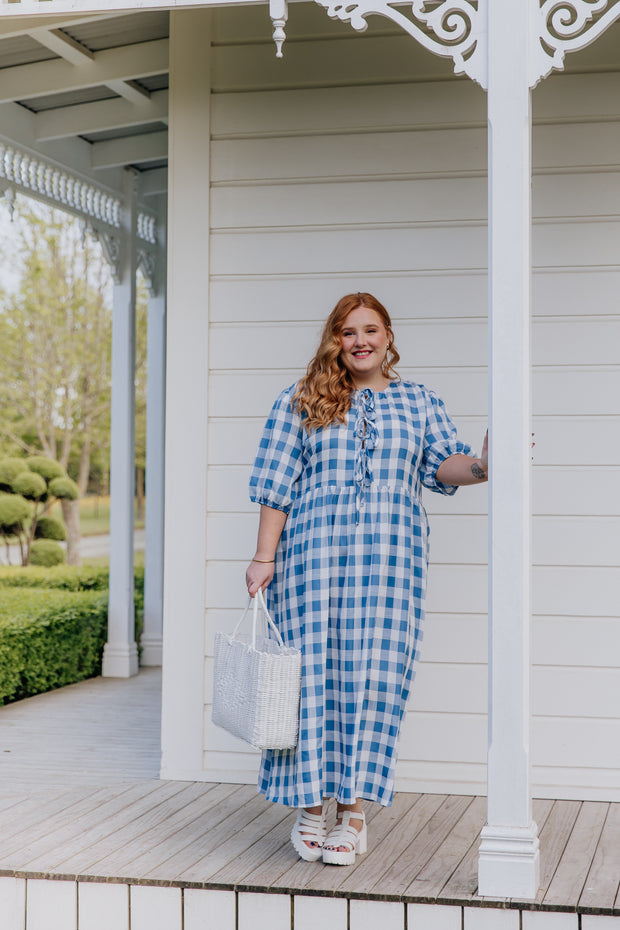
x=457 y=29
x=562 y=26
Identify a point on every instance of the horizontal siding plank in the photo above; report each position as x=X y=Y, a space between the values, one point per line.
x=407 y=295
x=375 y=59
x=561 y=98
x=576 y=641
x=573 y=292
x=418 y=201
x=428 y=200
x=575 y=591
x=350 y=250
x=435 y=153
x=457 y=738
x=324 y=110
x=577 y=743
x=432 y=153
x=576 y=692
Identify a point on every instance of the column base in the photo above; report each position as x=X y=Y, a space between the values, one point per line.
x=120 y=661
x=151 y=650
x=509 y=862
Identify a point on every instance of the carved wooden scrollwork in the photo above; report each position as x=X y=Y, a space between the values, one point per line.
x=452 y=28
x=562 y=26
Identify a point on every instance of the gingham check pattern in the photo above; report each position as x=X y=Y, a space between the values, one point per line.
x=350 y=581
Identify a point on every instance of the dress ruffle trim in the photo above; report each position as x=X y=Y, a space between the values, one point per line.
x=366 y=436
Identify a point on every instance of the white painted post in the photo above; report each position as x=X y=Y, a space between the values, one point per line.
x=151 y=640
x=509 y=855
x=186 y=395
x=120 y=656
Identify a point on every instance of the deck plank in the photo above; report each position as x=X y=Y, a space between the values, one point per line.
x=554 y=836
x=570 y=876
x=202 y=814
x=34 y=814
x=436 y=873
x=386 y=852
x=205 y=838
x=105 y=834
x=235 y=844
x=603 y=881
x=422 y=847
x=83 y=841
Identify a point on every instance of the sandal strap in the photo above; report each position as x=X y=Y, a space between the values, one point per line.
x=311 y=824
x=343 y=834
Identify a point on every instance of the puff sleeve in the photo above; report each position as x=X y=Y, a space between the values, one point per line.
x=279 y=462
x=440 y=442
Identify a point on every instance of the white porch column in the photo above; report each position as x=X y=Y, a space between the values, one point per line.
x=509 y=857
x=120 y=656
x=151 y=640
x=186 y=394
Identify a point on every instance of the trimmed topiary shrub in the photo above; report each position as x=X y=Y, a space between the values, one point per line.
x=46 y=467
x=46 y=552
x=30 y=486
x=50 y=528
x=49 y=639
x=10 y=468
x=14 y=510
x=37 y=480
x=64 y=489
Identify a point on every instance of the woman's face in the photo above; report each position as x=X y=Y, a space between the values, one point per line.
x=364 y=341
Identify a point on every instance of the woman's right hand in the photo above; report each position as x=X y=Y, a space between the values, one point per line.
x=258 y=575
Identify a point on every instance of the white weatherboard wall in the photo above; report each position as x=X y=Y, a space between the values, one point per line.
x=359 y=163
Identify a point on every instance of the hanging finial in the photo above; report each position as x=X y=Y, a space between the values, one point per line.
x=278 y=11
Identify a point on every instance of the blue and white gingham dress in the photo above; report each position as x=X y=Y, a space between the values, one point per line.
x=350 y=581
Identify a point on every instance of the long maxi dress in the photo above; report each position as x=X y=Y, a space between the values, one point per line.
x=350 y=581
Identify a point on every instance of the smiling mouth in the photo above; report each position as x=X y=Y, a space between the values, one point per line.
x=362 y=354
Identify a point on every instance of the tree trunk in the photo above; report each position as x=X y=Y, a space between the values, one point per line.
x=71 y=515
x=82 y=481
x=140 y=493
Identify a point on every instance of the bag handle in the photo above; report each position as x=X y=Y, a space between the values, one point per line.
x=256 y=601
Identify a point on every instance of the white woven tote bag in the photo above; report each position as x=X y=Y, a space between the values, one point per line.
x=256 y=683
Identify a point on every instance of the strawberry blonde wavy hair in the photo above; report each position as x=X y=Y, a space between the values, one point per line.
x=323 y=395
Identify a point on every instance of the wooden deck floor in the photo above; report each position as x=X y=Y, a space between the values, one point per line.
x=86 y=810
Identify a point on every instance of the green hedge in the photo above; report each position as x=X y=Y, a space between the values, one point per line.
x=49 y=639
x=53 y=625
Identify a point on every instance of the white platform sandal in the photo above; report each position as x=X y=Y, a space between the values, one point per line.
x=309 y=828
x=344 y=834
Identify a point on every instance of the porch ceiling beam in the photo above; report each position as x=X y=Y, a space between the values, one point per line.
x=62 y=44
x=100 y=116
x=131 y=91
x=154 y=182
x=58 y=76
x=134 y=150
x=11 y=26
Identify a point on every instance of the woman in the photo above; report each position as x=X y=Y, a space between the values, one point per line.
x=343 y=536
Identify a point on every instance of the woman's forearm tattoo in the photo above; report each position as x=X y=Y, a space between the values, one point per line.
x=477 y=471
